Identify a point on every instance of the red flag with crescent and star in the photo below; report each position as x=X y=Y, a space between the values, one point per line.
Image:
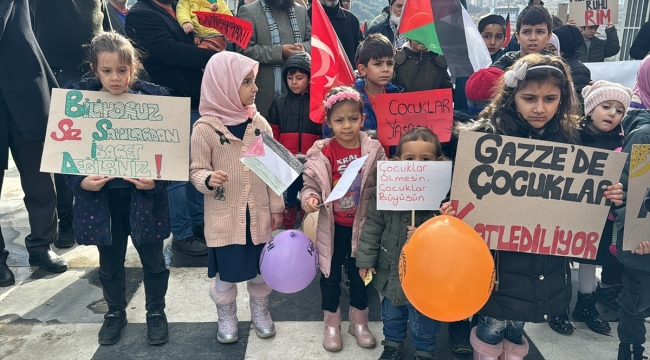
x=330 y=66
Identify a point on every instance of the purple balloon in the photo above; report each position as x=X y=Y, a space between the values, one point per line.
x=289 y=262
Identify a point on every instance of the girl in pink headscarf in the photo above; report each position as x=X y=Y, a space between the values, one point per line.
x=641 y=99
x=240 y=209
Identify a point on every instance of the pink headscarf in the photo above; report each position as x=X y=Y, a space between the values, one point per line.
x=222 y=79
x=642 y=86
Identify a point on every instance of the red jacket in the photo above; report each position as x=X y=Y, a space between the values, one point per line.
x=289 y=119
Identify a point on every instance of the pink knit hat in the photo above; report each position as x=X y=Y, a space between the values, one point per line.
x=602 y=91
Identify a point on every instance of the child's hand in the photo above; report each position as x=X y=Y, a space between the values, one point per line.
x=571 y=22
x=643 y=249
x=95 y=182
x=610 y=25
x=311 y=205
x=214 y=7
x=276 y=221
x=188 y=28
x=363 y=271
x=142 y=184
x=411 y=231
x=447 y=209
x=614 y=194
x=217 y=179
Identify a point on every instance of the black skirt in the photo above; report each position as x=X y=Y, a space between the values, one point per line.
x=603 y=256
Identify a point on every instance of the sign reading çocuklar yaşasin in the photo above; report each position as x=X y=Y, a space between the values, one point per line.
x=126 y=135
x=534 y=196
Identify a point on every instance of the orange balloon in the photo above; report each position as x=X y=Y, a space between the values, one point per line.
x=446 y=269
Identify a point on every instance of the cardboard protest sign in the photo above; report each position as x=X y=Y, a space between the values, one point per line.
x=412 y=185
x=346 y=180
x=637 y=220
x=234 y=29
x=399 y=113
x=534 y=196
x=272 y=162
x=126 y=135
x=593 y=12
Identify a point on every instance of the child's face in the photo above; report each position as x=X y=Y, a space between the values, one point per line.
x=606 y=116
x=589 y=32
x=378 y=71
x=550 y=47
x=537 y=103
x=418 y=150
x=248 y=89
x=493 y=37
x=533 y=38
x=346 y=121
x=418 y=46
x=114 y=75
x=298 y=83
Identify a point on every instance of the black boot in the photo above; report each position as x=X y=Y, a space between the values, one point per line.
x=424 y=355
x=6 y=276
x=392 y=350
x=199 y=233
x=50 y=261
x=608 y=296
x=630 y=352
x=459 y=337
x=111 y=331
x=585 y=310
x=157 y=331
x=192 y=246
x=66 y=236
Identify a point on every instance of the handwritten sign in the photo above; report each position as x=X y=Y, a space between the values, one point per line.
x=534 y=196
x=637 y=221
x=593 y=12
x=126 y=135
x=412 y=185
x=399 y=113
x=234 y=29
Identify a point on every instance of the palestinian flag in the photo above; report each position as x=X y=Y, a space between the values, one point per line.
x=445 y=27
x=508 y=34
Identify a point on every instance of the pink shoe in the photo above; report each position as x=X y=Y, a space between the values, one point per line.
x=483 y=351
x=259 y=298
x=227 y=312
x=332 y=338
x=512 y=351
x=359 y=328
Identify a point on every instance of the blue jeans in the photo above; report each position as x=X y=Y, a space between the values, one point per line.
x=492 y=331
x=185 y=202
x=423 y=329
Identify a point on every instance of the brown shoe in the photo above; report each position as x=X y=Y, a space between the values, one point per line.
x=332 y=339
x=359 y=328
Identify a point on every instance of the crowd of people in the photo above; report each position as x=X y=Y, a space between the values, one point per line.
x=537 y=87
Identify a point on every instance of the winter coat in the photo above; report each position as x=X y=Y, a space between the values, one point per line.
x=528 y=287
x=289 y=113
x=641 y=45
x=510 y=58
x=380 y=244
x=383 y=28
x=317 y=179
x=261 y=48
x=418 y=71
x=185 y=14
x=581 y=75
x=497 y=55
x=347 y=28
x=385 y=12
x=172 y=60
x=600 y=49
x=636 y=125
x=215 y=148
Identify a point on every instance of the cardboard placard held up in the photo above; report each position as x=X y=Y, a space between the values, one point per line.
x=234 y=29
x=398 y=113
x=412 y=185
x=534 y=196
x=126 y=135
x=637 y=220
x=563 y=12
x=593 y=12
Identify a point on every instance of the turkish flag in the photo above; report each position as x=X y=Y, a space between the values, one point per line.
x=330 y=66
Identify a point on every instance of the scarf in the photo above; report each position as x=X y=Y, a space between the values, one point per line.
x=399 y=38
x=275 y=39
x=642 y=86
x=222 y=79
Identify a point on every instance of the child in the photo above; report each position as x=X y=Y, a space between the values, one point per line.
x=554 y=45
x=339 y=222
x=389 y=231
x=537 y=106
x=241 y=210
x=570 y=40
x=641 y=99
x=418 y=69
x=594 y=49
x=634 y=300
x=204 y=37
x=493 y=31
x=289 y=119
x=533 y=32
x=108 y=205
x=480 y=87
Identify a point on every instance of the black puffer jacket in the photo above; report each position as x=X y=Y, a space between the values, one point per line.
x=510 y=58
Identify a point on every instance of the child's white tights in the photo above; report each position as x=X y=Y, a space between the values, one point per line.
x=223 y=286
x=586 y=278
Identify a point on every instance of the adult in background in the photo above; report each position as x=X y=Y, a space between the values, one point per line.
x=345 y=24
x=346 y=4
x=389 y=27
x=280 y=28
x=25 y=84
x=63 y=29
x=117 y=11
x=174 y=62
x=595 y=49
x=641 y=46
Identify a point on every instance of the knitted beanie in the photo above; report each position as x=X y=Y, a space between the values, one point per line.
x=602 y=91
x=479 y=86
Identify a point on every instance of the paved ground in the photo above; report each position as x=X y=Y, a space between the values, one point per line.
x=48 y=316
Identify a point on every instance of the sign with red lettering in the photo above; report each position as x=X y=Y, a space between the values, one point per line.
x=593 y=12
x=534 y=196
x=412 y=185
x=234 y=29
x=637 y=206
x=398 y=113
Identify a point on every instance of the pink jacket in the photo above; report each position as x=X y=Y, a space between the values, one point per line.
x=215 y=148
x=318 y=183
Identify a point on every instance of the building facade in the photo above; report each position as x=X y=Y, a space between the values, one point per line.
x=636 y=13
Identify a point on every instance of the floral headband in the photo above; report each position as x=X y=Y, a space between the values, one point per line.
x=343 y=95
x=518 y=73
